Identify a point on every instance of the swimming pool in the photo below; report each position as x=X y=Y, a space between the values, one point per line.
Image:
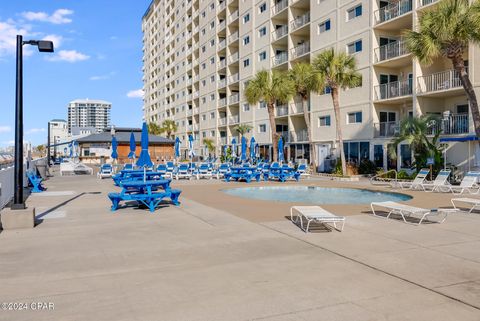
x=315 y=194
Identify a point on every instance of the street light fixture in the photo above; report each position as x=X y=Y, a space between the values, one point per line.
x=43 y=46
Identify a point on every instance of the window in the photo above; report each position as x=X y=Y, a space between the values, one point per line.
x=327 y=90
x=262 y=55
x=262 y=128
x=203 y=32
x=204 y=83
x=262 y=32
x=324 y=26
x=212 y=42
x=212 y=133
x=324 y=121
x=354 y=47
x=354 y=118
x=262 y=7
x=262 y=104
x=203 y=14
x=246 y=40
x=246 y=18
x=246 y=63
x=212 y=115
x=212 y=97
x=204 y=117
x=246 y=107
x=204 y=100
x=406 y=156
x=212 y=24
x=212 y=60
x=204 y=48
x=354 y=12
x=212 y=78
x=204 y=134
x=212 y=6
x=204 y=65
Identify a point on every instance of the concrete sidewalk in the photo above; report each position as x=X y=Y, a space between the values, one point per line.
x=196 y=262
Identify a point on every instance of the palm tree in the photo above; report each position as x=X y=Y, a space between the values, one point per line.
x=305 y=81
x=415 y=131
x=208 y=142
x=41 y=149
x=270 y=87
x=337 y=70
x=242 y=129
x=169 y=127
x=154 y=129
x=446 y=31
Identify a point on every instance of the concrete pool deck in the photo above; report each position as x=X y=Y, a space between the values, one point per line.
x=218 y=257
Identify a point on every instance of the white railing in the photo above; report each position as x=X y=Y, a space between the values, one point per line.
x=423 y=3
x=280 y=32
x=233 y=16
x=300 y=21
x=234 y=57
x=233 y=37
x=443 y=80
x=222 y=25
x=453 y=124
x=222 y=63
x=390 y=51
x=394 y=89
x=234 y=78
x=222 y=102
x=222 y=44
x=279 y=7
x=196 y=110
x=222 y=121
x=196 y=94
x=189 y=112
x=235 y=119
x=281 y=110
x=222 y=83
x=393 y=10
x=189 y=97
x=223 y=140
x=301 y=50
x=188 y=66
x=297 y=107
x=6 y=185
x=222 y=5
x=386 y=129
x=234 y=99
x=280 y=58
x=300 y=136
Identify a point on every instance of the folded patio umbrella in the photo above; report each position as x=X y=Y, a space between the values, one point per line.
x=252 y=148
x=191 y=152
x=177 y=147
x=144 y=159
x=114 y=154
x=243 y=156
x=280 y=150
x=234 y=144
x=133 y=146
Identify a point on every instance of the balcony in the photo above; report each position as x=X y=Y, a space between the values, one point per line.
x=222 y=102
x=297 y=107
x=196 y=94
x=234 y=119
x=222 y=83
x=222 y=5
x=234 y=78
x=301 y=50
x=423 y=3
x=223 y=140
x=391 y=51
x=440 y=81
x=281 y=110
x=222 y=63
x=222 y=25
x=280 y=58
x=233 y=17
x=393 y=90
x=300 y=21
x=285 y=136
x=189 y=112
x=386 y=129
x=452 y=124
x=234 y=98
x=196 y=111
x=222 y=44
x=280 y=6
x=393 y=10
x=222 y=121
x=233 y=58
x=233 y=37
x=280 y=32
x=299 y=136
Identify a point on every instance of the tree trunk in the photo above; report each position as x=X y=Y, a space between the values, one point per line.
x=459 y=66
x=336 y=110
x=309 y=131
x=273 y=128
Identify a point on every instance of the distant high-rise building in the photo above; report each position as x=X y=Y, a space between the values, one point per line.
x=89 y=113
x=58 y=135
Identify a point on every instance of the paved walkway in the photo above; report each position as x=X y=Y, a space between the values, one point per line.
x=200 y=262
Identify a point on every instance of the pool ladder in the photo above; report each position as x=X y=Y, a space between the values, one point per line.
x=378 y=180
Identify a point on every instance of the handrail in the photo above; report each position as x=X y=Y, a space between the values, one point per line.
x=385 y=180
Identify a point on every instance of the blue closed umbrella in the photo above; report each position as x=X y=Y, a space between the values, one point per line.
x=144 y=159
x=252 y=148
x=133 y=146
x=280 y=150
x=114 y=154
x=177 y=147
x=70 y=147
x=191 y=152
x=244 y=149
x=234 y=145
x=225 y=149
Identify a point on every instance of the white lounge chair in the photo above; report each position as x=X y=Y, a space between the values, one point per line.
x=468 y=184
x=106 y=170
x=222 y=170
x=473 y=202
x=183 y=171
x=417 y=182
x=317 y=214
x=302 y=170
x=407 y=211
x=440 y=182
x=203 y=171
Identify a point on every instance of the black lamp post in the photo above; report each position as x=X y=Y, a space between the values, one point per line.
x=43 y=46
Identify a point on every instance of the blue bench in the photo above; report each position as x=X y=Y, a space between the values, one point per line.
x=281 y=174
x=246 y=174
x=36 y=182
x=150 y=200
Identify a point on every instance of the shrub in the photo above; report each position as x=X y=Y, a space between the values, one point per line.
x=403 y=175
x=367 y=167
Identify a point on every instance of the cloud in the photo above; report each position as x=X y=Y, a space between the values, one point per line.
x=103 y=77
x=69 y=56
x=60 y=16
x=36 y=130
x=8 y=36
x=135 y=93
x=56 y=39
x=113 y=38
x=8 y=142
x=5 y=129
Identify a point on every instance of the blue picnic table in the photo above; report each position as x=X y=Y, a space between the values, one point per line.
x=282 y=174
x=149 y=193
x=135 y=175
x=245 y=173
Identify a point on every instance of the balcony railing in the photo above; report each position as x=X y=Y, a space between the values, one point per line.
x=280 y=58
x=222 y=83
x=233 y=37
x=223 y=140
x=281 y=110
x=300 y=136
x=393 y=10
x=451 y=125
x=222 y=121
x=279 y=32
x=285 y=136
x=300 y=21
x=222 y=63
x=279 y=7
x=222 y=44
x=189 y=112
x=222 y=25
x=439 y=81
x=297 y=106
x=196 y=111
x=394 y=89
x=423 y=3
x=234 y=99
x=234 y=78
x=233 y=58
x=233 y=17
x=222 y=102
x=196 y=94
x=301 y=50
x=222 y=5
x=391 y=50
x=235 y=119
x=386 y=129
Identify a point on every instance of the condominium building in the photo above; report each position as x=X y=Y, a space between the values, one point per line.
x=58 y=134
x=199 y=55
x=89 y=113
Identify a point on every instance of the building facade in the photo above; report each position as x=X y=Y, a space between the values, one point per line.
x=58 y=135
x=89 y=113
x=199 y=55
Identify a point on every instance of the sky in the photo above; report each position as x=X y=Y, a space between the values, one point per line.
x=98 y=55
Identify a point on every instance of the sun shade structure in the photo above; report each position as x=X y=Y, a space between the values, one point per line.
x=144 y=159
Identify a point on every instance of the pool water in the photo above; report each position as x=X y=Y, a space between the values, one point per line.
x=315 y=194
